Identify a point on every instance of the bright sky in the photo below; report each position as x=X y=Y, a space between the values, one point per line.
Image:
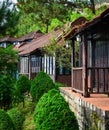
x=12 y=0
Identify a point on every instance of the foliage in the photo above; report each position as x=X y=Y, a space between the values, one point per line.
x=57 y=85
x=51 y=9
x=8 y=60
x=52 y=112
x=17 y=97
x=23 y=84
x=41 y=84
x=17 y=118
x=95 y=121
x=6 y=91
x=28 y=112
x=29 y=106
x=9 y=17
x=62 y=54
x=5 y=121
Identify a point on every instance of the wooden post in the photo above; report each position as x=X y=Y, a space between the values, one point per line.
x=45 y=63
x=72 y=61
x=54 y=68
x=84 y=73
x=29 y=66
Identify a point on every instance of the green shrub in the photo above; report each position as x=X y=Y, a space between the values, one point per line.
x=17 y=118
x=6 y=91
x=23 y=84
x=53 y=113
x=41 y=84
x=57 y=85
x=5 y=121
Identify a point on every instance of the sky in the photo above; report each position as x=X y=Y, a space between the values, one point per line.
x=14 y=1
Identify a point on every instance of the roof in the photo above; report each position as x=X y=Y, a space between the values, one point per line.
x=94 y=21
x=31 y=35
x=7 y=39
x=74 y=25
x=87 y=24
x=38 y=43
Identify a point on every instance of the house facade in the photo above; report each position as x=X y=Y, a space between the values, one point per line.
x=32 y=59
x=90 y=56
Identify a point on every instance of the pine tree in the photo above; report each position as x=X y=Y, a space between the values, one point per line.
x=8 y=18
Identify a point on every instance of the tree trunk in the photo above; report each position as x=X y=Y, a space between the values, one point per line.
x=47 y=24
x=92 y=6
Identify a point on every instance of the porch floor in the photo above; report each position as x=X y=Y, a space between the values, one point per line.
x=101 y=101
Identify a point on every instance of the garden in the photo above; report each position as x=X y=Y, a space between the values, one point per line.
x=34 y=105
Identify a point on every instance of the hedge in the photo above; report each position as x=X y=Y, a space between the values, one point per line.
x=41 y=84
x=5 y=121
x=53 y=113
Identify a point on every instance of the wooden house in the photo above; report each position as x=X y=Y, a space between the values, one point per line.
x=90 y=55
x=33 y=60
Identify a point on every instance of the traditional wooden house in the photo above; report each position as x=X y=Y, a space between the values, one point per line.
x=33 y=60
x=90 y=55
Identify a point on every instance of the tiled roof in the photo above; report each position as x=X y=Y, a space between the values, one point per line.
x=31 y=35
x=38 y=43
x=7 y=39
x=74 y=25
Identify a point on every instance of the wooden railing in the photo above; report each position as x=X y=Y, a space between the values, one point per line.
x=77 y=80
x=98 y=80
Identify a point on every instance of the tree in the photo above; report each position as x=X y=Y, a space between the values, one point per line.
x=8 y=60
x=6 y=91
x=43 y=11
x=62 y=54
x=8 y=18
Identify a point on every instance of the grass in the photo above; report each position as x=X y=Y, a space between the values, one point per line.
x=28 y=111
x=29 y=123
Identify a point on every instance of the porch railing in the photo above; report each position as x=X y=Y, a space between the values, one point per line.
x=98 y=80
x=77 y=79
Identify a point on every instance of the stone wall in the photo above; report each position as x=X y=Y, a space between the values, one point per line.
x=89 y=116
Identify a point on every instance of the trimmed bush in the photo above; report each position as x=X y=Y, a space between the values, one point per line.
x=41 y=84
x=53 y=113
x=17 y=118
x=5 y=121
x=23 y=84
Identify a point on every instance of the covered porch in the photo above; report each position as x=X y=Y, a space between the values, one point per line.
x=90 y=56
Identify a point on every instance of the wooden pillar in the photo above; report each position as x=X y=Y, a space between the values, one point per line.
x=54 y=68
x=72 y=62
x=29 y=66
x=45 y=63
x=84 y=74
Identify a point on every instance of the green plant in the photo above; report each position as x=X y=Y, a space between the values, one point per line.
x=17 y=118
x=57 y=85
x=6 y=91
x=23 y=84
x=5 y=121
x=53 y=113
x=41 y=84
